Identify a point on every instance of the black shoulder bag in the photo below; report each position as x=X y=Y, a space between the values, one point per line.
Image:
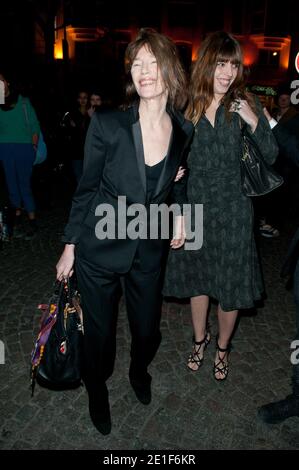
x=257 y=176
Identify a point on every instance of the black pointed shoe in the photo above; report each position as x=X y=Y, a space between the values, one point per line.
x=142 y=390
x=278 y=411
x=99 y=411
x=100 y=418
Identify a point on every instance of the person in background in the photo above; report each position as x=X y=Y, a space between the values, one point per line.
x=95 y=102
x=272 y=207
x=288 y=118
x=19 y=132
x=79 y=122
x=285 y=113
x=287 y=141
x=133 y=153
x=278 y=411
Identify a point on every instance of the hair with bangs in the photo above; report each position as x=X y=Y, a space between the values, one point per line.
x=217 y=47
x=171 y=69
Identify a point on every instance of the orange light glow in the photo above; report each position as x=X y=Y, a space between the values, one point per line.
x=285 y=58
x=275 y=44
x=194 y=55
x=250 y=52
x=248 y=59
x=58 y=52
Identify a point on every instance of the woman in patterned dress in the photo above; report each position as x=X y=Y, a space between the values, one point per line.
x=226 y=266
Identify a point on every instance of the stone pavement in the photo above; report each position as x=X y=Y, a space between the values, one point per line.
x=189 y=410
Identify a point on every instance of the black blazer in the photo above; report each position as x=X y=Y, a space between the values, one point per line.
x=114 y=166
x=292 y=257
x=287 y=142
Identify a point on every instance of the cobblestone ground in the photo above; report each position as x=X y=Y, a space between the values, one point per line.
x=189 y=410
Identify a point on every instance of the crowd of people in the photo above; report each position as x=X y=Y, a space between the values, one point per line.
x=29 y=186
x=170 y=144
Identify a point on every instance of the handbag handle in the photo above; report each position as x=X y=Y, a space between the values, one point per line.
x=65 y=284
x=58 y=288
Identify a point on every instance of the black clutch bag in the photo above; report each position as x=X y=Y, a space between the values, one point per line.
x=56 y=359
x=257 y=176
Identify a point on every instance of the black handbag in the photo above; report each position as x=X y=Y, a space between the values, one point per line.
x=257 y=176
x=56 y=360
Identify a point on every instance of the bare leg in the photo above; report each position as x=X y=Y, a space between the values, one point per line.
x=199 y=310
x=226 y=322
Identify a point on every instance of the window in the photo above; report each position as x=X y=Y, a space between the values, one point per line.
x=258 y=15
x=269 y=58
x=214 y=21
x=87 y=53
x=237 y=17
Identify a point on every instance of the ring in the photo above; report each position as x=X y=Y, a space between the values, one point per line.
x=237 y=105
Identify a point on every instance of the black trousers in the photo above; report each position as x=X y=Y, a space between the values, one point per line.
x=100 y=293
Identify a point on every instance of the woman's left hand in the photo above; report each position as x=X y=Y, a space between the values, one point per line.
x=245 y=112
x=180 y=174
x=179 y=233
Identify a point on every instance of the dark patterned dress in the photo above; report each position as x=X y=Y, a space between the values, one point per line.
x=226 y=267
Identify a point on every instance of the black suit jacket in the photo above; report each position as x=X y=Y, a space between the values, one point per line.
x=287 y=142
x=114 y=166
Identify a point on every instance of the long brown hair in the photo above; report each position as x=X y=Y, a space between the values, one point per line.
x=166 y=54
x=217 y=47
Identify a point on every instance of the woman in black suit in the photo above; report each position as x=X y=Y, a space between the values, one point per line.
x=133 y=153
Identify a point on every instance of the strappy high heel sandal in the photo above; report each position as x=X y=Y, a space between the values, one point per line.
x=221 y=367
x=194 y=357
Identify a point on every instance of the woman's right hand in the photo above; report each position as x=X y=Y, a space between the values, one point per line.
x=267 y=114
x=242 y=108
x=64 y=267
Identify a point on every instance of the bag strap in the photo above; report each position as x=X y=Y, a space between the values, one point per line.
x=243 y=126
x=69 y=285
x=65 y=295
